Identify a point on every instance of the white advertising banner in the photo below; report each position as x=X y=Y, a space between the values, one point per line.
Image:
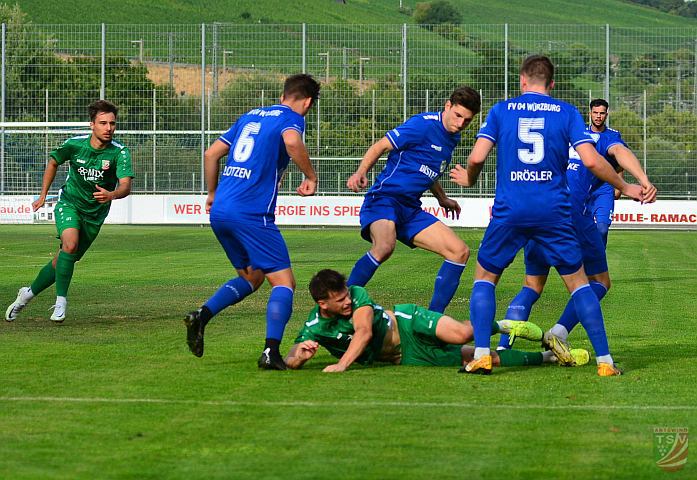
x=337 y=211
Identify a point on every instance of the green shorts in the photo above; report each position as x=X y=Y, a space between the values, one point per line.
x=67 y=216
x=419 y=344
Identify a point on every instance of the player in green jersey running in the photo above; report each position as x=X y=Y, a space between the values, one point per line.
x=100 y=171
x=348 y=323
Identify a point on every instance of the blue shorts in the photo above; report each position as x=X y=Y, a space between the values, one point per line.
x=409 y=220
x=502 y=242
x=592 y=249
x=601 y=204
x=255 y=245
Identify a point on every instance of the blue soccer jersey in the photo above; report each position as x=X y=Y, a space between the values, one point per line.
x=248 y=185
x=582 y=183
x=533 y=133
x=422 y=151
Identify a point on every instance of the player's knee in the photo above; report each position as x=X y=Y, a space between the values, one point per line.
x=69 y=247
x=382 y=250
x=458 y=252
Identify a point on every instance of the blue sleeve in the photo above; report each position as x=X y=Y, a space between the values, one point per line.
x=616 y=139
x=577 y=129
x=229 y=136
x=490 y=127
x=409 y=133
x=293 y=121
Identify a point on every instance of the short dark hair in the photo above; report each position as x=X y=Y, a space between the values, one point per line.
x=539 y=68
x=599 y=102
x=102 y=106
x=324 y=282
x=301 y=86
x=467 y=97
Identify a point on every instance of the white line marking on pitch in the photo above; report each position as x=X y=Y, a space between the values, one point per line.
x=234 y=403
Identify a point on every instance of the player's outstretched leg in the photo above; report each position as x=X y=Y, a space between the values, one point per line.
x=233 y=291
x=517 y=328
x=23 y=297
x=559 y=347
x=519 y=309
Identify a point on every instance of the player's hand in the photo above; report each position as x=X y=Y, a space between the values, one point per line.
x=307 y=187
x=357 y=182
x=649 y=192
x=209 y=202
x=38 y=203
x=306 y=350
x=334 y=368
x=452 y=208
x=633 y=191
x=458 y=174
x=103 y=195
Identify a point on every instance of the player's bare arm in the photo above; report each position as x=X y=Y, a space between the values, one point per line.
x=211 y=168
x=628 y=161
x=359 y=180
x=49 y=176
x=103 y=195
x=451 y=206
x=475 y=163
x=298 y=153
x=301 y=353
x=604 y=171
x=363 y=326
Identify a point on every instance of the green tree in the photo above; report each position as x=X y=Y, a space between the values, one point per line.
x=436 y=12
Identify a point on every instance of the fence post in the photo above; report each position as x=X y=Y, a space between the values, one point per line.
x=203 y=99
x=607 y=62
x=2 y=113
x=645 y=131
x=505 y=62
x=304 y=48
x=404 y=70
x=154 y=138
x=102 y=84
x=215 y=59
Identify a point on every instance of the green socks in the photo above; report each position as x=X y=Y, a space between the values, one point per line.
x=517 y=358
x=45 y=278
x=65 y=265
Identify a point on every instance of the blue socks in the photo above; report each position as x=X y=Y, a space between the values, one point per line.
x=482 y=312
x=278 y=311
x=229 y=294
x=447 y=281
x=569 y=319
x=519 y=309
x=604 y=230
x=363 y=270
x=587 y=308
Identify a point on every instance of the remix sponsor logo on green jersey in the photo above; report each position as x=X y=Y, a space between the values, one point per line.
x=90 y=167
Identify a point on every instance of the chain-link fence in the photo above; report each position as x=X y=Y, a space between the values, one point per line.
x=179 y=86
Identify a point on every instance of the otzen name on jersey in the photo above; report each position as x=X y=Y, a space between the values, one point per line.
x=239 y=172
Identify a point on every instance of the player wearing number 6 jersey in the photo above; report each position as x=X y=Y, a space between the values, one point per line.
x=258 y=147
x=533 y=132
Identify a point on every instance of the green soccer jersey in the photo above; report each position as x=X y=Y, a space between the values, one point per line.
x=90 y=167
x=336 y=333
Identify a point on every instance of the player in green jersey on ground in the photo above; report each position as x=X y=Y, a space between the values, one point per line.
x=100 y=171
x=348 y=323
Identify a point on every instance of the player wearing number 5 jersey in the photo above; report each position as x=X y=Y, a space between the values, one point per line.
x=241 y=205
x=533 y=132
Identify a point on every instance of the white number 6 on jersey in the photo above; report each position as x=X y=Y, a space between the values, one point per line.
x=535 y=154
x=245 y=142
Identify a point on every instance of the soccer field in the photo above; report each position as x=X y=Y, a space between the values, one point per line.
x=115 y=393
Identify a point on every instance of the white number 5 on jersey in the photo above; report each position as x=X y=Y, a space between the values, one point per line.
x=245 y=142
x=535 y=153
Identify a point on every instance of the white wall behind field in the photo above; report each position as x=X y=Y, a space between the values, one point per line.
x=336 y=211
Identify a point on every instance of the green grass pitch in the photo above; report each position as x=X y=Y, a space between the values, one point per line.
x=114 y=392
